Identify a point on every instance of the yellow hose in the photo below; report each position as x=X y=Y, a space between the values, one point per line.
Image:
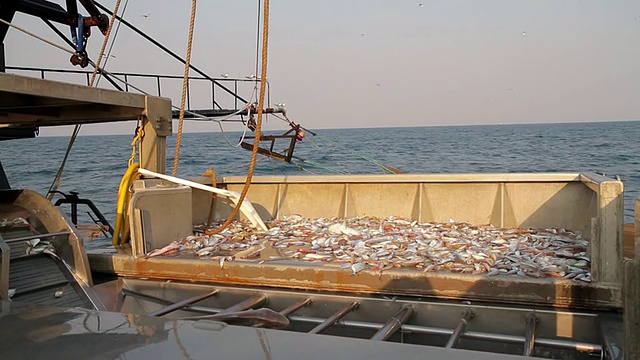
x=124 y=238
x=123 y=199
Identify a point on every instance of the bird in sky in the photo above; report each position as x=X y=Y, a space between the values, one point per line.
x=225 y=75
x=524 y=33
x=146 y=16
x=419 y=5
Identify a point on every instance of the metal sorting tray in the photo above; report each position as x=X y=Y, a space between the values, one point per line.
x=484 y=327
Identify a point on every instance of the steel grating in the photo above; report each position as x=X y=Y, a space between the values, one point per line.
x=490 y=328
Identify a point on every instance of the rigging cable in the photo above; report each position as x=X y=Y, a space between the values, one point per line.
x=113 y=40
x=384 y=167
x=76 y=129
x=244 y=131
x=255 y=90
x=168 y=51
x=111 y=76
x=254 y=152
x=185 y=84
x=103 y=48
x=36 y=36
x=70 y=43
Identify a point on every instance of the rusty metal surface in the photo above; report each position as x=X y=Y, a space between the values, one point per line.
x=328 y=277
x=629 y=241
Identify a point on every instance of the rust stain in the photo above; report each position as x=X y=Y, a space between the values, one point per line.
x=629 y=240
x=556 y=292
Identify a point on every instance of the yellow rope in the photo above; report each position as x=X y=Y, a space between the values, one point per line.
x=136 y=138
x=185 y=83
x=104 y=43
x=254 y=153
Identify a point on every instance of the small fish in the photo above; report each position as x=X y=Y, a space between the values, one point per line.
x=343 y=229
x=317 y=257
x=581 y=264
x=357 y=267
x=169 y=249
x=205 y=251
x=383 y=268
x=374 y=243
x=225 y=258
x=293 y=218
x=493 y=272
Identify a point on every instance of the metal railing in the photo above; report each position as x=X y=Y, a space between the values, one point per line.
x=216 y=86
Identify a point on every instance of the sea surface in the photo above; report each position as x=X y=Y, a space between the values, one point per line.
x=97 y=163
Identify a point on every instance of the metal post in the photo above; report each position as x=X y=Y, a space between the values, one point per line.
x=255 y=300
x=530 y=335
x=637 y=231
x=293 y=307
x=334 y=318
x=74 y=213
x=607 y=251
x=4 y=182
x=157 y=126
x=631 y=308
x=188 y=96
x=181 y=304
x=5 y=252
x=394 y=324
x=459 y=330
x=213 y=96
x=3 y=65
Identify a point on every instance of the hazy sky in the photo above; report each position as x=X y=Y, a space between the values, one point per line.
x=389 y=63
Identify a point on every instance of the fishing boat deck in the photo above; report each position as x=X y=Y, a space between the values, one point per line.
x=48 y=330
x=591 y=202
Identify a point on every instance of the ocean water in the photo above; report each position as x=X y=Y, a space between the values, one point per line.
x=96 y=163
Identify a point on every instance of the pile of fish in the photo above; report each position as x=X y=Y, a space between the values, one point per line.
x=367 y=243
